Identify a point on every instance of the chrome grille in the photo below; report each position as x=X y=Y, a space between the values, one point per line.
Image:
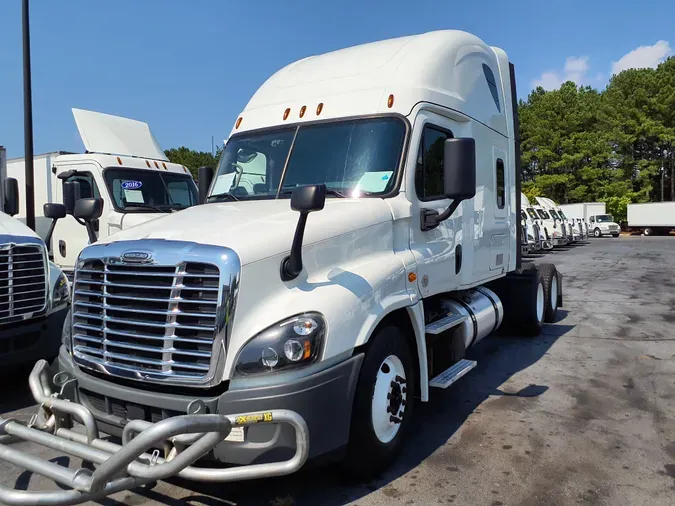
x=23 y=280
x=155 y=321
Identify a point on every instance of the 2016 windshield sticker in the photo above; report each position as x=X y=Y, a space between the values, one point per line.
x=131 y=185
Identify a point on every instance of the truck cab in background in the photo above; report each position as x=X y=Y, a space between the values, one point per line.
x=124 y=166
x=554 y=231
x=603 y=225
x=533 y=237
x=34 y=293
x=307 y=314
x=571 y=232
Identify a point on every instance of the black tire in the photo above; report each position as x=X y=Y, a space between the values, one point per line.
x=530 y=323
x=649 y=231
x=615 y=235
x=366 y=454
x=551 y=283
x=597 y=233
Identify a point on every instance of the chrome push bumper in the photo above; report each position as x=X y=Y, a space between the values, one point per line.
x=137 y=460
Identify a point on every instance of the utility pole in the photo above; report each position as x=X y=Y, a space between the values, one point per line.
x=28 y=121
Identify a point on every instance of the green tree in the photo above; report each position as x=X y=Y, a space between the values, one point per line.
x=193 y=159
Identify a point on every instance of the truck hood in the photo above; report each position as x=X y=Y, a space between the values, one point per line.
x=115 y=135
x=261 y=228
x=13 y=227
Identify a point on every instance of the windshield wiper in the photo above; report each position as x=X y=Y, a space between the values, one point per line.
x=332 y=191
x=143 y=205
x=224 y=195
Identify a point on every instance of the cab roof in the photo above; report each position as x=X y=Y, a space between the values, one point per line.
x=451 y=68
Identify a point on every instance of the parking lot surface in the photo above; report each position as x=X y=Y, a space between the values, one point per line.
x=584 y=414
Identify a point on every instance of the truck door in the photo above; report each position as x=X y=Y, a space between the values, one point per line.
x=499 y=235
x=70 y=237
x=437 y=251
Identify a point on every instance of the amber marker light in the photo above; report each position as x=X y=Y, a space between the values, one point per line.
x=412 y=277
x=119 y=160
x=286 y=113
x=302 y=110
x=319 y=108
x=236 y=125
x=390 y=101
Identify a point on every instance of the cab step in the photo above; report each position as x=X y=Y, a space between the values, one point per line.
x=453 y=373
x=445 y=323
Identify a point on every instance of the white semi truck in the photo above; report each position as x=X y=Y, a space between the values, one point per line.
x=652 y=218
x=124 y=165
x=34 y=294
x=306 y=315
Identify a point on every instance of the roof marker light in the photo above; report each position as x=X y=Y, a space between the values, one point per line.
x=156 y=165
x=148 y=164
x=302 y=110
x=236 y=125
x=119 y=160
x=390 y=101
x=286 y=113
x=319 y=108
x=164 y=165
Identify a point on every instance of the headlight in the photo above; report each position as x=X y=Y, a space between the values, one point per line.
x=290 y=344
x=61 y=291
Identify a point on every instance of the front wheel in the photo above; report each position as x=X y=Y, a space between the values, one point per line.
x=597 y=233
x=649 y=231
x=550 y=278
x=383 y=404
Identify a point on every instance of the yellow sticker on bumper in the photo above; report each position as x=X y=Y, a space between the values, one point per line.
x=255 y=418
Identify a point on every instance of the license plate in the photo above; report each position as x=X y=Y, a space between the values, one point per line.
x=236 y=435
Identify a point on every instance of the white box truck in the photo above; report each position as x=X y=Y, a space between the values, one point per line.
x=124 y=165
x=34 y=293
x=308 y=316
x=598 y=222
x=653 y=218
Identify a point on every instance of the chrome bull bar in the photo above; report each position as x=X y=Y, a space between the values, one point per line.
x=134 y=462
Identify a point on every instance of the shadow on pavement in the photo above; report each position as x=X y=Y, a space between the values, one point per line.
x=499 y=357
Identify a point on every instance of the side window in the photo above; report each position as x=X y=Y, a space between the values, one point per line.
x=492 y=84
x=499 y=191
x=429 y=169
x=88 y=188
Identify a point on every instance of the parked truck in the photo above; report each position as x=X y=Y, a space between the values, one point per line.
x=34 y=294
x=124 y=165
x=594 y=214
x=653 y=218
x=307 y=315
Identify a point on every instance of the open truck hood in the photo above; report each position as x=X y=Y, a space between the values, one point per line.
x=114 y=135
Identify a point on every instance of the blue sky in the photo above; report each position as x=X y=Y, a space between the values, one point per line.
x=189 y=67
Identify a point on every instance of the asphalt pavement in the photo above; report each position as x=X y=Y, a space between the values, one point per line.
x=584 y=414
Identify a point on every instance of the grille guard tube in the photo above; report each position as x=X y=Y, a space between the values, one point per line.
x=127 y=466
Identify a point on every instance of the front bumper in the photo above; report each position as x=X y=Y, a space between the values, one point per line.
x=559 y=241
x=324 y=400
x=30 y=340
x=137 y=460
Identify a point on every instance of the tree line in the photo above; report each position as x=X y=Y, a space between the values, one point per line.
x=580 y=144
x=615 y=145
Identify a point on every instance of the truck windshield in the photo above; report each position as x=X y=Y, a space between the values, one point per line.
x=562 y=215
x=543 y=214
x=352 y=158
x=604 y=218
x=554 y=214
x=532 y=214
x=149 y=191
